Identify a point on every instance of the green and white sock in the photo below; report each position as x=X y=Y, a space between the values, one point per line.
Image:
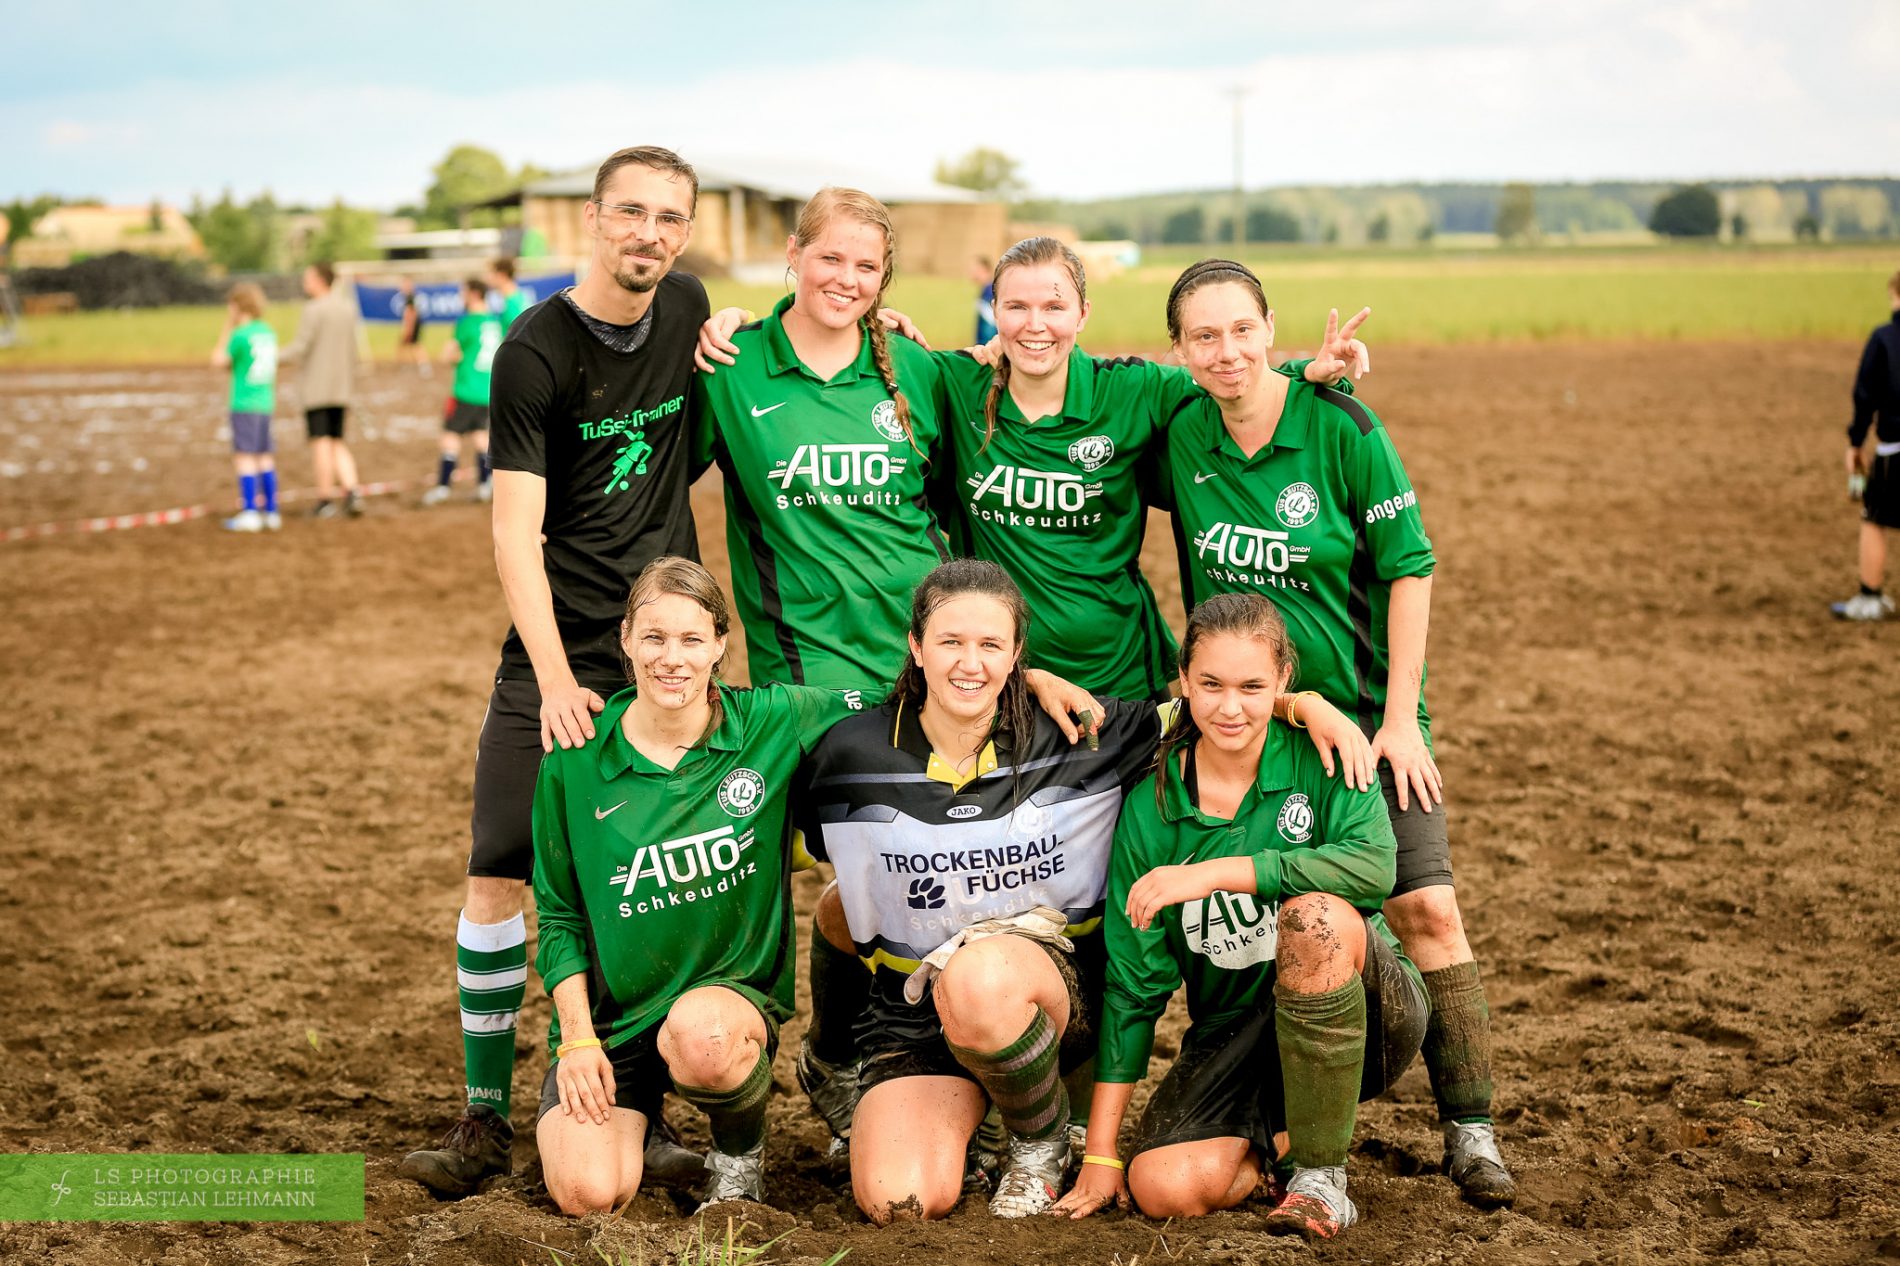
x=737 y=1116
x=491 y=968
x=1022 y=1079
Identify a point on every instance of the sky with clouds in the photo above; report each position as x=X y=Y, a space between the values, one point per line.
x=359 y=100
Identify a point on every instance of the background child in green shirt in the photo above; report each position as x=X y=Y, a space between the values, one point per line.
x=477 y=337
x=248 y=348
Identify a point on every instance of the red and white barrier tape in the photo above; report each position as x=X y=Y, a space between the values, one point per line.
x=185 y=514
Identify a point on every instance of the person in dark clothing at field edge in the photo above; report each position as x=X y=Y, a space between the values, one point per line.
x=1876 y=480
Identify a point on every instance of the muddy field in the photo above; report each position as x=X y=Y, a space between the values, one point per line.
x=235 y=776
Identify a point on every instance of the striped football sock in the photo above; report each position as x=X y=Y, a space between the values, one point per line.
x=491 y=966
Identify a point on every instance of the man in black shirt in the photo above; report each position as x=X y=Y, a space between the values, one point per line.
x=589 y=436
x=1876 y=395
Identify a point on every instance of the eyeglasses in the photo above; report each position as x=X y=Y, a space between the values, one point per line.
x=627 y=218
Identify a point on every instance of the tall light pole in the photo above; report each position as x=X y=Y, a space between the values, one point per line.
x=1240 y=193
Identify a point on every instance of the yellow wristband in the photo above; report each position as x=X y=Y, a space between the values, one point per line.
x=1293 y=701
x=578 y=1044
x=1109 y=1161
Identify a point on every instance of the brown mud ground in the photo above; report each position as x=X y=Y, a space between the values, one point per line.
x=234 y=774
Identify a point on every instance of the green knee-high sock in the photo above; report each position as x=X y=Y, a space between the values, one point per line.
x=1458 y=1043
x=1322 y=1041
x=1022 y=1079
x=491 y=968
x=840 y=989
x=737 y=1116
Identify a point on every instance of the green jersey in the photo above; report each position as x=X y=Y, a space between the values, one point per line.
x=827 y=521
x=513 y=306
x=478 y=334
x=656 y=881
x=1321 y=520
x=252 y=348
x=1305 y=831
x=1060 y=504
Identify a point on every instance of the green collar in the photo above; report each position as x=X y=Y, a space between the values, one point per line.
x=1288 y=432
x=617 y=755
x=1078 y=398
x=1275 y=774
x=781 y=358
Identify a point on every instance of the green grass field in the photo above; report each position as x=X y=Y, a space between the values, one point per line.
x=1416 y=296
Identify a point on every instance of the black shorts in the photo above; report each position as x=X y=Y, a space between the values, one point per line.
x=507 y=762
x=1880 y=503
x=1424 y=841
x=896 y=1039
x=325 y=423
x=1226 y=1081
x=641 y=1079
x=461 y=418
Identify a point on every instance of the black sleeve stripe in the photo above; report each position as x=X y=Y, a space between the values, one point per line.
x=1117 y=362
x=751 y=325
x=1350 y=407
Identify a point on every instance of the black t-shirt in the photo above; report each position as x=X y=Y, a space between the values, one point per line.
x=610 y=432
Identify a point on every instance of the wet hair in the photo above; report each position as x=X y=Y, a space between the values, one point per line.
x=1242 y=615
x=960 y=577
x=503 y=267
x=653 y=156
x=1210 y=272
x=324 y=269
x=248 y=298
x=1031 y=252
x=671 y=575
x=827 y=205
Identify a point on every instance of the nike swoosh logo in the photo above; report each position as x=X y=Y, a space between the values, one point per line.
x=1199 y=478
x=757 y=412
x=601 y=813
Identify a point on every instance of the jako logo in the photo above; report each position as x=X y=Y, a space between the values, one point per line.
x=741 y=792
x=1092 y=452
x=839 y=466
x=1296 y=819
x=1021 y=489
x=925 y=894
x=884 y=418
x=964 y=811
x=1236 y=545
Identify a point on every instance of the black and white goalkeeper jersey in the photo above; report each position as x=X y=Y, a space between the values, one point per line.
x=921 y=855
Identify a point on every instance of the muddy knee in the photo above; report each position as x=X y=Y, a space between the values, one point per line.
x=1321 y=942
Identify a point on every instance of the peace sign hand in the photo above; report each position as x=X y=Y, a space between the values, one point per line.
x=1340 y=353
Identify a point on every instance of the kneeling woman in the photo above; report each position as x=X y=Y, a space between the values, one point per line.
x=660 y=874
x=1241 y=868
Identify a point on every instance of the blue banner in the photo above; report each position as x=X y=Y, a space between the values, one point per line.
x=441 y=304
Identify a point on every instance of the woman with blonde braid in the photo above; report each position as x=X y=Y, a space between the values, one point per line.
x=823 y=431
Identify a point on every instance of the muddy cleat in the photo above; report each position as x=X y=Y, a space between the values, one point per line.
x=1032 y=1179
x=353 y=503
x=1472 y=1160
x=1315 y=1207
x=740 y=1177
x=245 y=521
x=485 y=490
x=436 y=495
x=324 y=510
x=273 y=521
x=668 y=1161
x=1864 y=606
x=833 y=1091
x=475 y=1149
